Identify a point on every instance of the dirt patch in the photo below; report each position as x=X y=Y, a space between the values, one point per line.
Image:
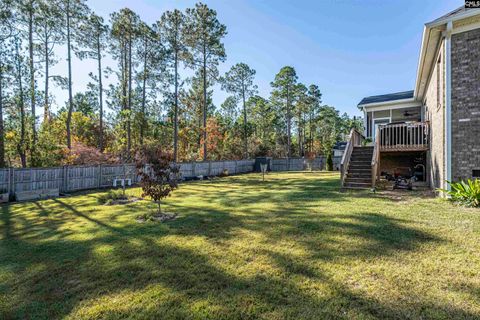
x=404 y=195
x=158 y=217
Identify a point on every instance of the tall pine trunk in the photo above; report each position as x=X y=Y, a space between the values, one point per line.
x=244 y=123
x=46 y=111
x=2 y=138
x=310 y=133
x=299 y=134
x=175 y=120
x=100 y=92
x=204 y=102
x=32 y=87
x=144 y=91
x=288 y=123
x=129 y=127
x=70 y=95
x=123 y=57
x=21 y=105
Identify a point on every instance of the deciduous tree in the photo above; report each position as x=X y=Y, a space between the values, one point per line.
x=158 y=173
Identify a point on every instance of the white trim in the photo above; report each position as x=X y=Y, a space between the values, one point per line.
x=365 y=129
x=385 y=103
x=421 y=59
x=466 y=28
x=459 y=16
x=448 y=105
x=427 y=37
x=393 y=107
x=373 y=124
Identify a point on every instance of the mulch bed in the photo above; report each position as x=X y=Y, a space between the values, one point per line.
x=158 y=217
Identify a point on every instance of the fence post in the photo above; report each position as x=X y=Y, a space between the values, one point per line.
x=209 y=168
x=236 y=167
x=193 y=169
x=11 y=182
x=99 y=180
x=65 y=179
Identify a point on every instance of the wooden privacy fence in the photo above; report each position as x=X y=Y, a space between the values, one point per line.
x=299 y=164
x=75 y=178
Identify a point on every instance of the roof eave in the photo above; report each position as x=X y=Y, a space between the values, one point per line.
x=385 y=103
x=440 y=26
x=467 y=14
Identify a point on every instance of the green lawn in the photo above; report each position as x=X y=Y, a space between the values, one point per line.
x=293 y=247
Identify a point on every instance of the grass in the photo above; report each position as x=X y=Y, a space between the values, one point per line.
x=293 y=247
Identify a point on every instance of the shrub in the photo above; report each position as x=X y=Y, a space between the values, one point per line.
x=111 y=196
x=466 y=193
x=158 y=173
x=329 y=164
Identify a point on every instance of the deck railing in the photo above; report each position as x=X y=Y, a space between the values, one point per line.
x=404 y=137
x=355 y=140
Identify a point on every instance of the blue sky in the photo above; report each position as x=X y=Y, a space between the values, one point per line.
x=350 y=49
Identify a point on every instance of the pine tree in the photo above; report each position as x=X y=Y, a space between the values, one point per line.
x=74 y=12
x=93 y=43
x=314 y=101
x=172 y=30
x=205 y=38
x=283 y=94
x=239 y=81
x=6 y=32
x=124 y=32
x=47 y=28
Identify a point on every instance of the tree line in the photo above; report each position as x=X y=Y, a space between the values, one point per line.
x=149 y=100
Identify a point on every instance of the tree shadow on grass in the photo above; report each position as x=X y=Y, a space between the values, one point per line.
x=51 y=277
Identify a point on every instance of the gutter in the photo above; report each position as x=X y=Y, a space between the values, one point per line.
x=385 y=103
x=448 y=104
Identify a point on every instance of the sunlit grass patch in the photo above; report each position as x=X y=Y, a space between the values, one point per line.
x=292 y=247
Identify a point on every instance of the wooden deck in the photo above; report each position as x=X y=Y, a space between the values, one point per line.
x=403 y=137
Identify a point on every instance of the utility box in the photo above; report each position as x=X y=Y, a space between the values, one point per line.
x=263 y=160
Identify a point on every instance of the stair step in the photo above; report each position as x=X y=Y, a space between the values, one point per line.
x=359 y=179
x=360 y=166
x=359 y=170
x=363 y=150
x=357 y=188
x=358 y=185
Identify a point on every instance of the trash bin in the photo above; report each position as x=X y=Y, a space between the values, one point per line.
x=263 y=160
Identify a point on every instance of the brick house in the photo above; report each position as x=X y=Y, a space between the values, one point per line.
x=433 y=131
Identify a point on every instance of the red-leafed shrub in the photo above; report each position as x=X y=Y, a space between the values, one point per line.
x=81 y=154
x=158 y=173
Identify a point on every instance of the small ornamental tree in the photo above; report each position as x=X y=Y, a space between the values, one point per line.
x=158 y=173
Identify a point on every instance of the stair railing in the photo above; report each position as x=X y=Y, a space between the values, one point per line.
x=376 y=157
x=355 y=140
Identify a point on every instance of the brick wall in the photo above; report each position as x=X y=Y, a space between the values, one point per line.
x=435 y=112
x=465 y=104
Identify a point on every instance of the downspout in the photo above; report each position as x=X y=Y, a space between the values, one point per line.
x=448 y=105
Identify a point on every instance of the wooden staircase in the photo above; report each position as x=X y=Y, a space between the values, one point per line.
x=359 y=170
